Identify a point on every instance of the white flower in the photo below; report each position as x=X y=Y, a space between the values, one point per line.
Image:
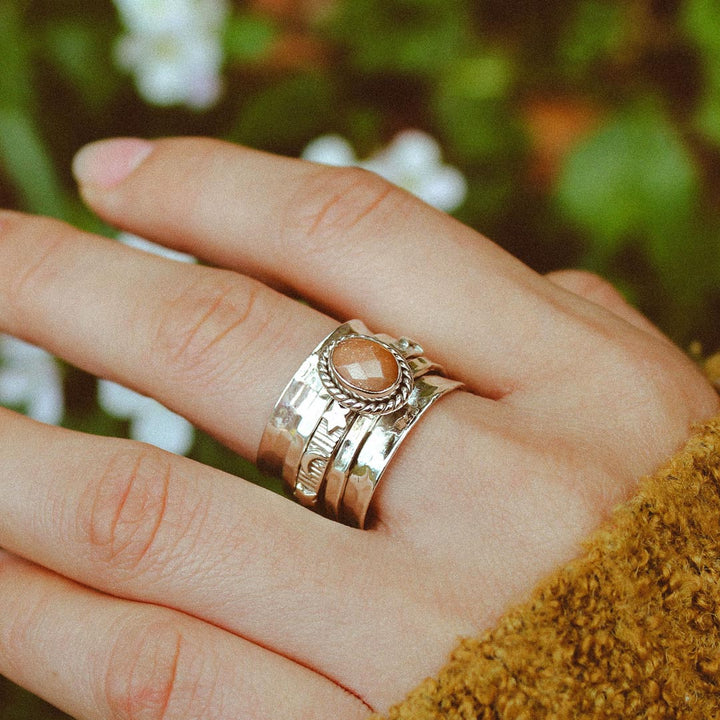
x=30 y=377
x=150 y=421
x=331 y=150
x=174 y=49
x=153 y=248
x=412 y=160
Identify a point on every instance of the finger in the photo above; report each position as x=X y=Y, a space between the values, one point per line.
x=137 y=522
x=215 y=346
x=340 y=237
x=597 y=290
x=98 y=657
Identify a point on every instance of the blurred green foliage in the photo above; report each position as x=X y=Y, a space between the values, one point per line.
x=589 y=130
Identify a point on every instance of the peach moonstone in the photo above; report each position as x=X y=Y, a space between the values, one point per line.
x=365 y=365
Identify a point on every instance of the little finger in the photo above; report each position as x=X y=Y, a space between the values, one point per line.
x=98 y=657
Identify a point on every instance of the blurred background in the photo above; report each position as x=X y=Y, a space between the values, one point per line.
x=577 y=134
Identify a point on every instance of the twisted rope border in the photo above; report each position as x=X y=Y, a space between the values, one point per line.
x=347 y=398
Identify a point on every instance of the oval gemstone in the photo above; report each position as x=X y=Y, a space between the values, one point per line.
x=365 y=365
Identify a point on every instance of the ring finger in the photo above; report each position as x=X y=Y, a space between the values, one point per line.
x=140 y=523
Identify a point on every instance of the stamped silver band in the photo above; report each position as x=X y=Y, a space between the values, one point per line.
x=343 y=415
x=381 y=444
x=295 y=418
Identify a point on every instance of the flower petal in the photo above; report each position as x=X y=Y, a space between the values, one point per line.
x=141 y=244
x=445 y=189
x=163 y=428
x=119 y=401
x=330 y=150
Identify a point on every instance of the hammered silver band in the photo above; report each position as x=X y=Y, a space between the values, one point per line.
x=330 y=436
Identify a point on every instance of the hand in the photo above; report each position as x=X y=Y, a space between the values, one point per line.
x=153 y=586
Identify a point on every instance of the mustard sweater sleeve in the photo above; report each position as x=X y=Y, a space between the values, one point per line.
x=629 y=630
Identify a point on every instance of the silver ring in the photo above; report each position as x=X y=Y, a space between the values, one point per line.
x=343 y=415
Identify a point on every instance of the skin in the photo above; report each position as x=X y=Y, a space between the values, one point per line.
x=137 y=584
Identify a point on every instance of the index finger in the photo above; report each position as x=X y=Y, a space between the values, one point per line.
x=344 y=239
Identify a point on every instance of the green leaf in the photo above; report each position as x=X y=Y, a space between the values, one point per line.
x=249 y=36
x=26 y=161
x=471 y=107
x=24 y=156
x=486 y=76
x=285 y=115
x=707 y=116
x=402 y=36
x=82 y=54
x=596 y=30
x=701 y=20
x=688 y=264
x=209 y=451
x=15 y=90
x=633 y=178
x=478 y=130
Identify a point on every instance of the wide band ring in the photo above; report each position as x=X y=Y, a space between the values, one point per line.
x=343 y=415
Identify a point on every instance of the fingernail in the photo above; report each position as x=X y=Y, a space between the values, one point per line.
x=107 y=163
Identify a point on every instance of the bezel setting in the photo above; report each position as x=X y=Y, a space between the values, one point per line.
x=365 y=402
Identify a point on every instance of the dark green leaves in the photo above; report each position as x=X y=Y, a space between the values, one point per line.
x=633 y=178
x=404 y=36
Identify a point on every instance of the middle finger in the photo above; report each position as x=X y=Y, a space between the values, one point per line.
x=347 y=241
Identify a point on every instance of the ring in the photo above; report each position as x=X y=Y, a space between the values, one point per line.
x=344 y=414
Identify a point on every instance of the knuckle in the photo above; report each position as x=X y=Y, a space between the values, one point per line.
x=655 y=382
x=42 y=241
x=650 y=376
x=122 y=513
x=637 y=378
x=335 y=201
x=153 y=673
x=23 y=623
x=589 y=285
x=677 y=386
x=197 y=331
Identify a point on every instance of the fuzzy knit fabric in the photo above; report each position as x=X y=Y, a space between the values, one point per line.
x=629 y=630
